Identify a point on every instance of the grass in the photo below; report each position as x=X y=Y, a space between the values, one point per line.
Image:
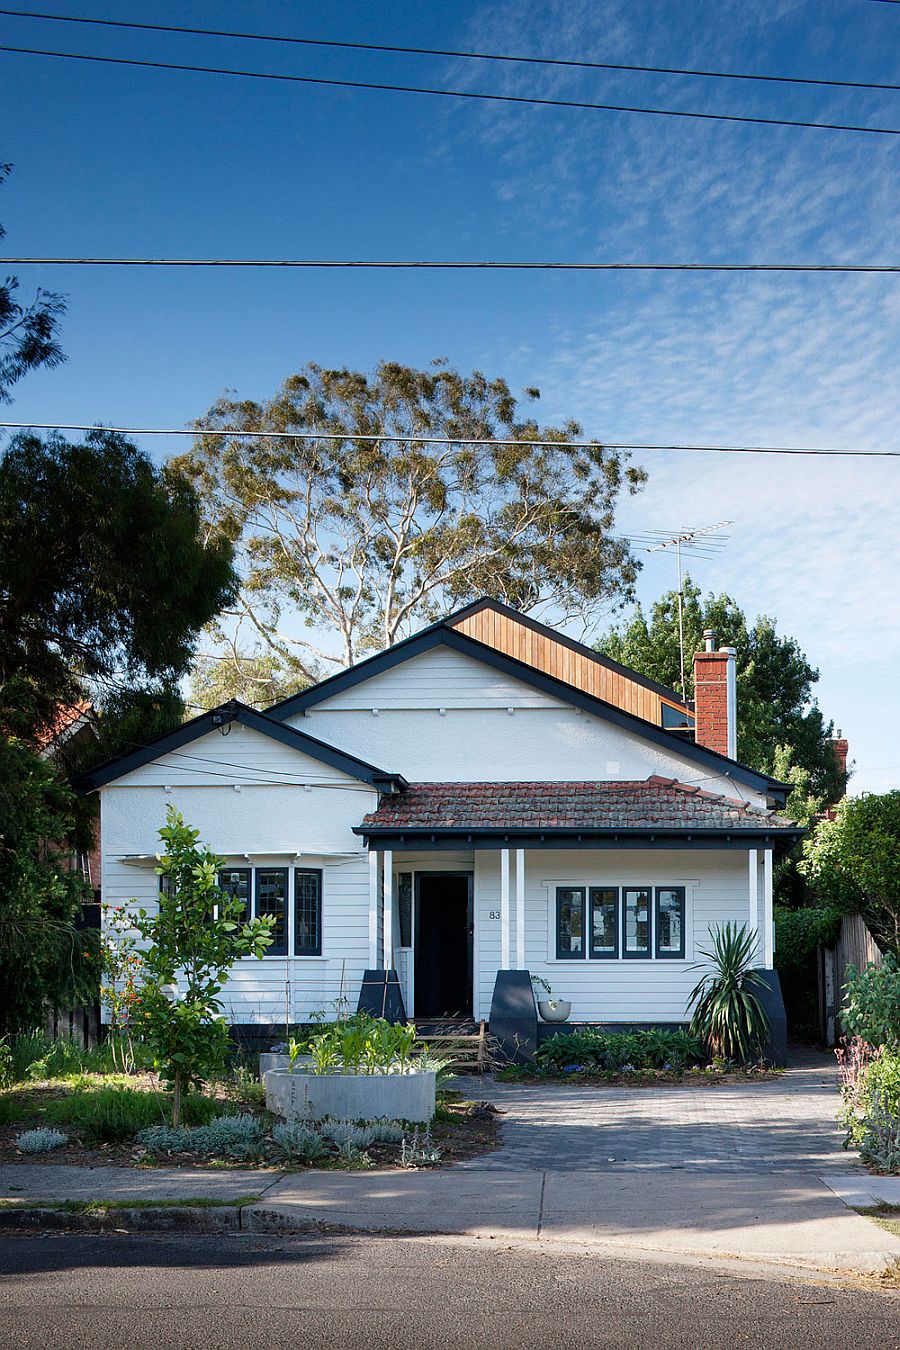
x=886 y=1216
x=103 y=1206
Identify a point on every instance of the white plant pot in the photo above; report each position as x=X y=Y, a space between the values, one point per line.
x=351 y=1096
x=554 y=1009
x=274 y=1059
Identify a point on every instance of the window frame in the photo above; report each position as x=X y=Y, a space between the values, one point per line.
x=570 y=955
x=669 y=955
x=401 y=878
x=629 y=953
x=249 y=872
x=277 y=948
x=616 y=893
x=316 y=872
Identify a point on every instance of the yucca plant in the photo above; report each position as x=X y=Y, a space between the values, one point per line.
x=728 y=1014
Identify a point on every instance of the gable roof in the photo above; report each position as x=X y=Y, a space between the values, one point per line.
x=446 y=633
x=256 y=721
x=656 y=810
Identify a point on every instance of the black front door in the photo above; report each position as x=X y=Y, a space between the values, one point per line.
x=443 y=944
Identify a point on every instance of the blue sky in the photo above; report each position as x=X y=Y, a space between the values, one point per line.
x=120 y=161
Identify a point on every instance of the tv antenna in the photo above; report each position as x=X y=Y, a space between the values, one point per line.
x=712 y=542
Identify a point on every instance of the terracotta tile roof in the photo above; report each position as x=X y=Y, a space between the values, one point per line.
x=653 y=803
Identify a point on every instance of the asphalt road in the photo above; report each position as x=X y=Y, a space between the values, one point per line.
x=128 y=1292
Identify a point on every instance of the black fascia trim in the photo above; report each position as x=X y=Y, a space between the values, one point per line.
x=528 y=621
x=383 y=836
x=256 y=721
x=548 y=684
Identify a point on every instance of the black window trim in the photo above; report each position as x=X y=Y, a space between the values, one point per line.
x=628 y=954
x=249 y=872
x=614 y=955
x=318 y=873
x=572 y=956
x=669 y=955
x=276 y=949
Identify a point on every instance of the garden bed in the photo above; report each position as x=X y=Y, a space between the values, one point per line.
x=460 y=1129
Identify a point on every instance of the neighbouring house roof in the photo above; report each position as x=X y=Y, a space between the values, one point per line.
x=446 y=632
x=235 y=711
x=656 y=811
x=67 y=721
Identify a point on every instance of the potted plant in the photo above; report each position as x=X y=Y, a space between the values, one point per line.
x=551 y=1009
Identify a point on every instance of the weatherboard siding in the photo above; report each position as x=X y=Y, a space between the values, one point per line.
x=446 y=717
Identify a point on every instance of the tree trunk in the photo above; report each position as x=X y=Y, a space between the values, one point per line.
x=176 y=1100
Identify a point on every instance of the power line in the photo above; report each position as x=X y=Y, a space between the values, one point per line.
x=454 y=93
x=449 y=264
x=262 y=434
x=455 y=54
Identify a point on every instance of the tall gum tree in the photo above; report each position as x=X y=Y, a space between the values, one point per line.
x=370 y=539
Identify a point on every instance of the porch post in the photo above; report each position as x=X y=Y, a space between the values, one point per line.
x=753 y=926
x=504 y=909
x=520 y=908
x=388 y=909
x=373 y=909
x=768 y=913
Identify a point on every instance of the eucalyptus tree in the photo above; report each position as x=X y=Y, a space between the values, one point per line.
x=341 y=533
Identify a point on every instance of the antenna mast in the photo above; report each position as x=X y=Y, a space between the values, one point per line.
x=708 y=548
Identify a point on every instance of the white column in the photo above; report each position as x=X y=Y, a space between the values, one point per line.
x=373 y=908
x=753 y=878
x=504 y=909
x=388 y=909
x=520 y=908
x=768 y=912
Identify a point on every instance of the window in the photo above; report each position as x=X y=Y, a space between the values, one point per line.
x=271 y=898
x=307 y=912
x=235 y=881
x=404 y=907
x=604 y=921
x=670 y=921
x=569 y=922
x=636 y=906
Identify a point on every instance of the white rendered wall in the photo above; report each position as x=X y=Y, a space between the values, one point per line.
x=446 y=717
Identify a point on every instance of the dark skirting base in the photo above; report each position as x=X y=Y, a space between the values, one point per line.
x=769 y=994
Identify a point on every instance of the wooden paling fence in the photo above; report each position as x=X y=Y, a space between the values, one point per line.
x=465 y=1052
x=855 y=947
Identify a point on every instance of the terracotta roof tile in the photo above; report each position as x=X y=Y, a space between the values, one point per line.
x=654 y=803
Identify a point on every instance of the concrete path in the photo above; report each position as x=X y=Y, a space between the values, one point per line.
x=749 y=1171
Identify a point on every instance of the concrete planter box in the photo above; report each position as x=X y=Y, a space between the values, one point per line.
x=277 y=1060
x=351 y=1096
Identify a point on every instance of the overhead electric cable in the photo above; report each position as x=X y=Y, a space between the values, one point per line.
x=596 y=444
x=451 y=264
x=454 y=54
x=454 y=93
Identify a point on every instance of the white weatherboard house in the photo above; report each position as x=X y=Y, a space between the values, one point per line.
x=485 y=796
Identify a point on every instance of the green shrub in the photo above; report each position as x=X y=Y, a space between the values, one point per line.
x=300 y=1143
x=40 y=1141
x=108 y=1114
x=611 y=1051
x=728 y=1014
x=870 y=1091
x=871 y=1007
x=359 y=1044
x=236 y=1137
x=6 y=1063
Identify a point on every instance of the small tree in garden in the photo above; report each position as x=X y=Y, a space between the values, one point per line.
x=120 y=968
x=854 y=862
x=192 y=940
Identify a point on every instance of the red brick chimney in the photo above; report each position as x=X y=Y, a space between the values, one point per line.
x=715 y=702
x=840 y=747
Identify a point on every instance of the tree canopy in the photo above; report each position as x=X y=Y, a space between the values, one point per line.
x=854 y=861
x=28 y=328
x=257 y=678
x=368 y=539
x=106 y=573
x=781 y=729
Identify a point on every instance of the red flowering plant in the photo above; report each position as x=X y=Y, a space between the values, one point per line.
x=120 y=972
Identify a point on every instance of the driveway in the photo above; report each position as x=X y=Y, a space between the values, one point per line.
x=787 y=1124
